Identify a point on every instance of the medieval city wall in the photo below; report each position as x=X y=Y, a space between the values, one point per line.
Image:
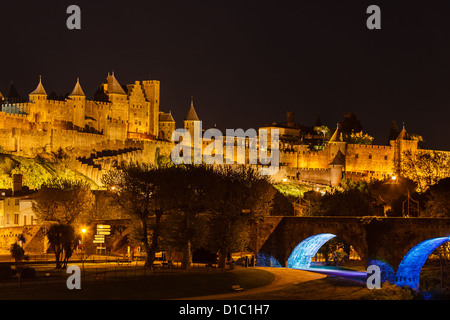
x=115 y=130
x=60 y=110
x=34 y=238
x=370 y=158
x=10 y=121
x=77 y=140
x=313 y=159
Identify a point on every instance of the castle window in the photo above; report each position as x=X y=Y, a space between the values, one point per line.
x=385 y=157
x=370 y=156
x=356 y=156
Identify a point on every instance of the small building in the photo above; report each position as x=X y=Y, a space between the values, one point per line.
x=16 y=205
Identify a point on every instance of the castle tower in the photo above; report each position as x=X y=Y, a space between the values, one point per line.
x=11 y=95
x=193 y=124
x=336 y=168
x=336 y=142
x=401 y=144
x=166 y=126
x=336 y=148
x=152 y=94
x=290 y=119
x=38 y=106
x=78 y=98
x=113 y=88
x=39 y=94
x=191 y=119
x=118 y=98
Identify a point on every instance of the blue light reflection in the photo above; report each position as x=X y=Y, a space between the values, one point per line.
x=408 y=271
x=300 y=257
x=265 y=260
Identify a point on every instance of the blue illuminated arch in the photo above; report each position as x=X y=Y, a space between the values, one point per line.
x=300 y=257
x=265 y=260
x=408 y=271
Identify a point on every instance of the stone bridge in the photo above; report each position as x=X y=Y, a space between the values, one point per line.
x=400 y=246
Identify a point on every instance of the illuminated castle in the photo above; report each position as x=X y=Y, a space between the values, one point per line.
x=118 y=112
x=124 y=122
x=116 y=115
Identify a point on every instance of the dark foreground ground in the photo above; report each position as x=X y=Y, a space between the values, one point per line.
x=258 y=284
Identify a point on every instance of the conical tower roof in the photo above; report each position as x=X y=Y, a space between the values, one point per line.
x=39 y=89
x=77 y=91
x=338 y=160
x=192 y=115
x=114 y=85
x=403 y=135
x=166 y=117
x=336 y=135
x=12 y=93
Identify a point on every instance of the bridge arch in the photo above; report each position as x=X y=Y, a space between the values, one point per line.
x=300 y=257
x=408 y=272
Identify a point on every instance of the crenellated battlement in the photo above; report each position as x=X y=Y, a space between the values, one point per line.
x=22 y=116
x=368 y=146
x=102 y=104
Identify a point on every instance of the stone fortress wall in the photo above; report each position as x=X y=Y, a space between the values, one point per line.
x=125 y=123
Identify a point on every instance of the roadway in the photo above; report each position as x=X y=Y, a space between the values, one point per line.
x=288 y=282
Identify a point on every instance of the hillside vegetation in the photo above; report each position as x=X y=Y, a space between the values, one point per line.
x=37 y=170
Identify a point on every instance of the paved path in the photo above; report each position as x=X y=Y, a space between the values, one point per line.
x=283 y=278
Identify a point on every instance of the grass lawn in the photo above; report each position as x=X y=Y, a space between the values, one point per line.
x=153 y=286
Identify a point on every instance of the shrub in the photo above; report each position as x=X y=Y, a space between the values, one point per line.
x=390 y=291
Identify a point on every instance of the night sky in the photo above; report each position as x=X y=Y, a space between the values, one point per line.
x=246 y=62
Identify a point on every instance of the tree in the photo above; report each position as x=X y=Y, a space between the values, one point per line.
x=358 y=138
x=438 y=204
x=418 y=138
x=188 y=192
x=350 y=199
x=135 y=188
x=62 y=200
x=63 y=203
x=243 y=194
x=425 y=167
x=324 y=130
x=337 y=248
x=63 y=241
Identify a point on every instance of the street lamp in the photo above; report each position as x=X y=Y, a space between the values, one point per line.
x=83 y=231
